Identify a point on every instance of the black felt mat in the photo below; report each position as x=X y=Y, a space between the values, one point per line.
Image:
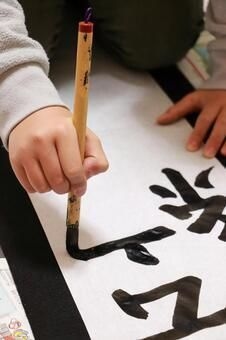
x=46 y=298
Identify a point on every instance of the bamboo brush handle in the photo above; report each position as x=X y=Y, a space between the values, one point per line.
x=83 y=64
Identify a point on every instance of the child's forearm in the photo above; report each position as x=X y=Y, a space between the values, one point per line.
x=24 y=84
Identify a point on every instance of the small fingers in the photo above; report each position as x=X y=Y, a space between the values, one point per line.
x=52 y=170
x=202 y=126
x=217 y=136
x=28 y=171
x=22 y=178
x=188 y=104
x=36 y=176
x=70 y=160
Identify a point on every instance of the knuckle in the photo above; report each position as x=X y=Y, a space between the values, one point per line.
x=62 y=130
x=39 y=138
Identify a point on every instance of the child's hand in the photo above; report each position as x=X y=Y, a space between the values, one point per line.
x=44 y=153
x=212 y=107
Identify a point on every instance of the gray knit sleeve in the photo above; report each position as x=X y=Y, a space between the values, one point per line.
x=24 y=83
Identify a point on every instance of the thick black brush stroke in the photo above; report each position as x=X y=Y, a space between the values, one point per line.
x=161 y=191
x=202 y=180
x=213 y=206
x=185 y=190
x=185 y=317
x=132 y=245
x=212 y=320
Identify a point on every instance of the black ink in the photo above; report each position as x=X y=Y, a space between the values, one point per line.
x=90 y=53
x=185 y=319
x=202 y=180
x=132 y=245
x=73 y=199
x=212 y=207
x=138 y=253
x=188 y=194
x=85 y=37
x=181 y=213
x=161 y=191
x=86 y=78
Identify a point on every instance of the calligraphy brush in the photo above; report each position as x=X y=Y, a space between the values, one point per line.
x=79 y=118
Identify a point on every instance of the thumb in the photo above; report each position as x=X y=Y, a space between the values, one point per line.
x=95 y=160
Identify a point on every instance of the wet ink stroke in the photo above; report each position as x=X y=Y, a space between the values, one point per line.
x=212 y=207
x=132 y=245
x=212 y=212
x=202 y=180
x=185 y=319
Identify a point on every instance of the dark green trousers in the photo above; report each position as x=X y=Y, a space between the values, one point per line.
x=43 y=20
x=142 y=34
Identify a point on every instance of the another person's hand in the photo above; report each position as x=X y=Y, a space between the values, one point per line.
x=44 y=153
x=212 y=107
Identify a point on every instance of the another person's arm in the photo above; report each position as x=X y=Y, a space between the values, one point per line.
x=35 y=125
x=210 y=100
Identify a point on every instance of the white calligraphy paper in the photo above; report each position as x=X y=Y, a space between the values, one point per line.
x=123 y=108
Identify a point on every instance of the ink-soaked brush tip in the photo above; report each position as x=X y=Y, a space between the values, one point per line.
x=72 y=238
